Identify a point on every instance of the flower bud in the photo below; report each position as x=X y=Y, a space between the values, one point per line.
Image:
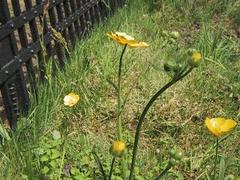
x=172 y=152
x=171 y=67
x=168 y=67
x=176 y=154
x=195 y=59
x=172 y=162
x=118 y=148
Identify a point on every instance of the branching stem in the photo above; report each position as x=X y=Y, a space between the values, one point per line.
x=144 y=113
x=169 y=166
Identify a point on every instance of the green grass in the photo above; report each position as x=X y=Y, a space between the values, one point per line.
x=177 y=118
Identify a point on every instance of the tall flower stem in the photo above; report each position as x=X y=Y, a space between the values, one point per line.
x=111 y=170
x=169 y=166
x=216 y=158
x=119 y=103
x=119 y=112
x=144 y=113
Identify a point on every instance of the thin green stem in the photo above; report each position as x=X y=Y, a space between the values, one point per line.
x=98 y=160
x=164 y=172
x=119 y=106
x=119 y=112
x=216 y=158
x=144 y=113
x=111 y=170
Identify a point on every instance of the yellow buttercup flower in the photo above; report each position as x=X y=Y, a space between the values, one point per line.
x=220 y=126
x=195 y=59
x=124 y=39
x=71 y=99
x=196 y=56
x=118 y=148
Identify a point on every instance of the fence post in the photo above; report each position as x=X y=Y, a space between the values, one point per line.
x=14 y=91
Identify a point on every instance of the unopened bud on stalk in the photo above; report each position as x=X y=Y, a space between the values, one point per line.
x=176 y=154
x=118 y=148
x=195 y=59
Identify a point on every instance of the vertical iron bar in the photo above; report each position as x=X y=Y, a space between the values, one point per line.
x=81 y=19
x=70 y=27
x=87 y=18
x=58 y=46
x=35 y=37
x=61 y=17
x=24 y=44
x=76 y=23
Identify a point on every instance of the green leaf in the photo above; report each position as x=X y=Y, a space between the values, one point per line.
x=56 y=135
x=79 y=177
x=74 y=171
x=24 y=177
x=44 y=158
x=53 y=163
x=56 y=143
x=55 y=154
x=48 y=152
x=222 y=169
x=45 y=170
x=139 y=177
x=85 y=160
x=39 y=151
x=52 y=144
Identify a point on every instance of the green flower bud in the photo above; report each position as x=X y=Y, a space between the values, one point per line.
x=195 y=59
x=171 y=67
x=167 y=67
x=172 y=152
x=176 y=154
x=172 y=162
x=118 y=148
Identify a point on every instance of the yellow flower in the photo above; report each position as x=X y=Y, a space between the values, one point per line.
x=196 y=56
x=118 y=148
x=71 y=99
x=123 y=39
x=220 y=126
x=195 y=59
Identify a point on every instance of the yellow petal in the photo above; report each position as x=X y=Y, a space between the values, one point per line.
x=71 y=99
x=220 y=126
x=123 y=39
x=125 y=36
x=138 y=44
x=196 y=56
x=211 y=125
x=118 y=148
x=117 y=38
x=112 y=35
x=228 y=126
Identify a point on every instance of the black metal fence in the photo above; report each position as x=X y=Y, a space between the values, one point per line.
x=28 y=30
